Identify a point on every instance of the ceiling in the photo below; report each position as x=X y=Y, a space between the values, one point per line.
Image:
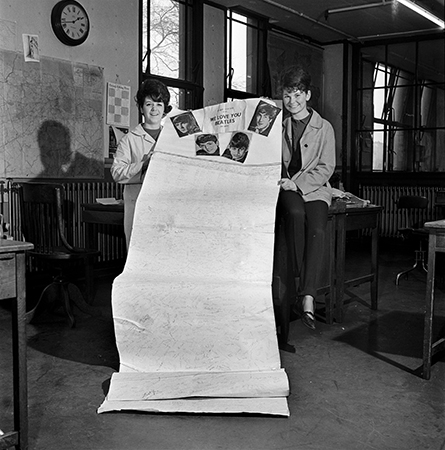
x=322 y=22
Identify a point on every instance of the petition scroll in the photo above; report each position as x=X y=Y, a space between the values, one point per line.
x=193 y=310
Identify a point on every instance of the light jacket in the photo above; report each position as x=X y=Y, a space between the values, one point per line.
x=127 y=169
x=317 y=158
x=127 y=163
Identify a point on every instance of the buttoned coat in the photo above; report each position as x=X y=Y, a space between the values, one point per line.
x=127 y=169
x=317 y=158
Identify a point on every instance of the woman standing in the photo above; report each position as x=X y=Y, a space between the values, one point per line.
x=308 y=161
x=135 y=148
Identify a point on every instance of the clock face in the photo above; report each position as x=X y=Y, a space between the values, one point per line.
x=70 y=22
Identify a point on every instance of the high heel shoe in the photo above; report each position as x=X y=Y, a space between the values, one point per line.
x=308 y=319
x=307 y=316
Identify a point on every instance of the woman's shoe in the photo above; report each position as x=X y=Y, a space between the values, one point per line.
x=307 y=316
x=308 y=319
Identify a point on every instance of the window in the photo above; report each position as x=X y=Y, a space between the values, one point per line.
x=171 y=48
x=401 y=124
x=246 y=56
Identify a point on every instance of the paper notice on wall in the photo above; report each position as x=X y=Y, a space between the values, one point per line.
x=193 y=310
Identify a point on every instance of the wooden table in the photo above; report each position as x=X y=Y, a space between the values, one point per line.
x=356 y=218
x=13 y=286
x=436 y=244
x=341 y=219
x=103 y=214
x=94 y=214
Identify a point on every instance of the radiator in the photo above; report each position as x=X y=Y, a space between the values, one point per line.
x=393 y=219
x=112 y=247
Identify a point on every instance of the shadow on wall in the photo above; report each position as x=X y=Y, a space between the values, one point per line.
x=58 y=158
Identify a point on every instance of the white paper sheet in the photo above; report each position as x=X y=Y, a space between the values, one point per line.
x=193 y=309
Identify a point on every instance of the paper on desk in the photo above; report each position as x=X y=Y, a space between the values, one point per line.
x=192 y=309
x=108 y=201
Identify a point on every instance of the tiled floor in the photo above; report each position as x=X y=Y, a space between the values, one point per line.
x=354 y=385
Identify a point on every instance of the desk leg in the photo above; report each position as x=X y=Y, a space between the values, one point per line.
x=19 y=355
x=429 y=307
x=91 y=231
x=375 y=268
x=339 y=261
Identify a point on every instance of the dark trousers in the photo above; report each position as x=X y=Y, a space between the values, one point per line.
x=304 y=229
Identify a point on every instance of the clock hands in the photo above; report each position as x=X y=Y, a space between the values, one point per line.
x=72 y=21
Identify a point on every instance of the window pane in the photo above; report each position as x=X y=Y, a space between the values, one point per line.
x=165 y=43
x=239 y=55
x=403 y=106
x=432 y=106
x=365 y=151
x=366 y=118
x=243 y=36
x=402 y=150
x=181 y=98
x=378 y=148
x=368 y=69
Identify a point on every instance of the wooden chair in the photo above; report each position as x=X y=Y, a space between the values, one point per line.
x=414 y=205
x=44 y=224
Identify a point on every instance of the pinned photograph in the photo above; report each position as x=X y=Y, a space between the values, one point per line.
x=238 y=147
x=263 y=118
x=185 y=124
x=31 y=47
x=207 y=145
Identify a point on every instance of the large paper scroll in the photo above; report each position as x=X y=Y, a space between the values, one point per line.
x=193 y=309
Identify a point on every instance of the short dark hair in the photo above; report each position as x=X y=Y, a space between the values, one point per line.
x=239 y=140
x=156 y=90
x=296 y=78
x=183 y=118
x=202 y=138
x=268 y=110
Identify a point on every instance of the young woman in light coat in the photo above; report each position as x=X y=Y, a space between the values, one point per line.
x=308 y=162
x=135 y=148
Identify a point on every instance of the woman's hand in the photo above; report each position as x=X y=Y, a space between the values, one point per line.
x=287 y=184
x=146 y=159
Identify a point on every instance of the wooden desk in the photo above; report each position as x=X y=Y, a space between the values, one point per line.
x=284 y=285
x=13 y=286
x=94 y=214
x=356 y=218
x=341 y=219
x=436 y=244
x=103 y=214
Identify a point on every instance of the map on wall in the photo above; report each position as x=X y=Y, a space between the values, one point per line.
x=51 y=118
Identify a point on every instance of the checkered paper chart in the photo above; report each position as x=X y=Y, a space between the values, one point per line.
x=118 y=105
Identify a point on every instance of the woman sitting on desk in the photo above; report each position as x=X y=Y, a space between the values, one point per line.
x=308 y=161
x=135 y=148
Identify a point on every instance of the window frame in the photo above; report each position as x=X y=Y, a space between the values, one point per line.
x=192 y=82
x=262 y=87
x=407 y=96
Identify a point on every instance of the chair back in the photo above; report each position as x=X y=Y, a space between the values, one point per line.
x=41 y=210
x=413 y=204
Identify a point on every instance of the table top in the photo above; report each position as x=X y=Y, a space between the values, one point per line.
x=7 y=246
x=437 y=224
x=118 y=207
x=337 y=207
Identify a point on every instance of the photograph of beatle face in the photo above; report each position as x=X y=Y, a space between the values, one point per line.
x=263 y=118
x=207 y=145
x=238 y=147
x=185 y=124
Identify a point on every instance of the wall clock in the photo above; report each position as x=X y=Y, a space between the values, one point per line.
x=70 y=22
